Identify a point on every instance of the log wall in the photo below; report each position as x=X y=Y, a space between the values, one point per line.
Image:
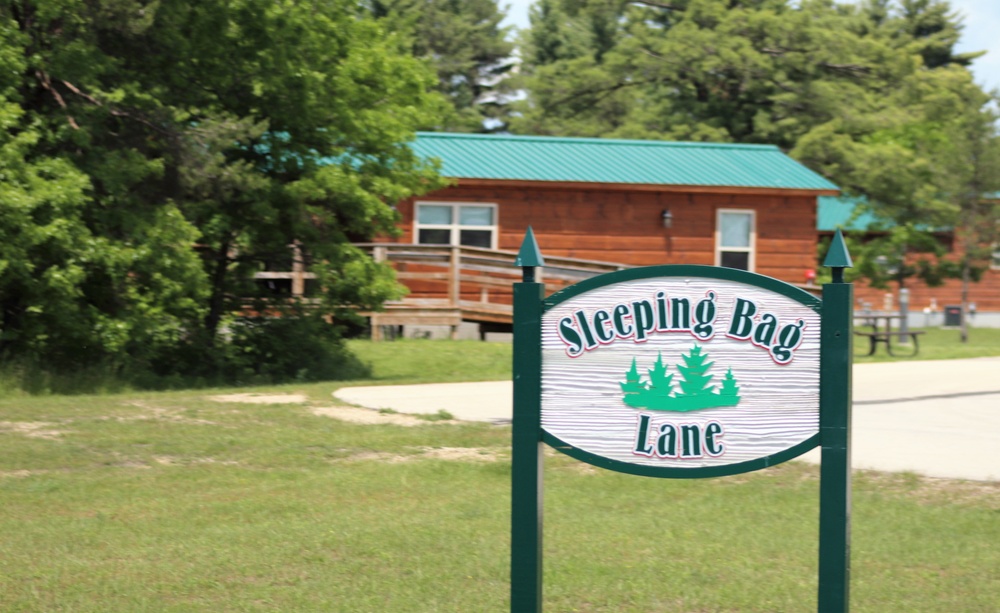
x=986 y=294
x=624 y=225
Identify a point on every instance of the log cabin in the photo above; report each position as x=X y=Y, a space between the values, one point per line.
x=929 y=306
x=595 y=205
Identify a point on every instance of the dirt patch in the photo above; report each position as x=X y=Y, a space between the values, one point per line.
x=261 y=398
x=154 y=412
x=32 y=429
x=20 y=474
x=454 y=454
x=163 y=460
x=373 y=417
x=932 y=490
x=464 y=454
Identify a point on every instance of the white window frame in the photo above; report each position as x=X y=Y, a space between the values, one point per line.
x=995 y=257
x=751 y=250
x=455 y=227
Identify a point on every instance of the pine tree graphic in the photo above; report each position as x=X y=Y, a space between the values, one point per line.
x=729 y=387
x=632 y=385
x=696 y=382
x=661 y=385
x=696 y=391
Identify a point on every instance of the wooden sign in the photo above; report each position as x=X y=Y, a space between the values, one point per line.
x=681 y=371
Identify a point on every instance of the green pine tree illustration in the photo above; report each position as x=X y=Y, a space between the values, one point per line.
x=632 y=385
x=661 y=384
x=729 y=387
x=658 y=393
x=695 y=382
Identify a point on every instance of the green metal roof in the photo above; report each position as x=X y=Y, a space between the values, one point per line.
x=599 y=160
x=834 y=212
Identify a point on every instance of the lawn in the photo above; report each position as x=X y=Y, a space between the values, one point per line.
x=938 y=344
x=275 y=499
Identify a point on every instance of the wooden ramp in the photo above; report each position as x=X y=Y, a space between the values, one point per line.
x=451 y=284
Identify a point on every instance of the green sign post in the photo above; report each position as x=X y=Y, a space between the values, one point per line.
x=681 y=372
x=835 y=433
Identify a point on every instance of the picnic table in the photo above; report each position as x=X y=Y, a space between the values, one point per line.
x=881 y=324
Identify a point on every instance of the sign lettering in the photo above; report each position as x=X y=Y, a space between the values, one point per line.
x=681 y=373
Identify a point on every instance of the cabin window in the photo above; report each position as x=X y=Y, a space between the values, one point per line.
x=735 y=235
x=995 y=259
x=446 y=223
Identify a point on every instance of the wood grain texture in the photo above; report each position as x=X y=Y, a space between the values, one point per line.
x=582 y=399
x=623 y=223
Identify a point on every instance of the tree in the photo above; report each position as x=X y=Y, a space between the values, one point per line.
x=661 y=384
x=632 y=385
x=926 y=171
x=871 y=95
x=235 y=127
x=79 y=282
x=697 y=393
x=463 y=41
x=717 y=70
x=969 y=157
x=934 y=29
x=729 y=387
x=752 y=71
x=695 y=381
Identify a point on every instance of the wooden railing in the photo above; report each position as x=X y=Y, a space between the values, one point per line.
x=449 y=284
x=297 y=276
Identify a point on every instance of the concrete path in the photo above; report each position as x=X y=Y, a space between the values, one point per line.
x=935 y=418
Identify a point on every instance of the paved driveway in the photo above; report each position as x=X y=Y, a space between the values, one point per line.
x=935 y=418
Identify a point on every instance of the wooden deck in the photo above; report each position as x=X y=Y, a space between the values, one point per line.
x=450 y=284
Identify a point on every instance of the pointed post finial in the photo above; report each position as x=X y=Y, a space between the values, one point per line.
x=838 y=258
x=529 y=257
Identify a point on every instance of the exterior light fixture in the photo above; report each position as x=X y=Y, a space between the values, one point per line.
x=887 y=266
x=667 y=217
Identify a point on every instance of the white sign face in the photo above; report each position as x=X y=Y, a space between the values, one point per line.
x=681 y=372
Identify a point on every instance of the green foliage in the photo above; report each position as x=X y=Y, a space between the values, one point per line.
x=131 y=132
x=870 y=94
x=902 y=253
x=926 y=171
x=72 y=292
x=469 y=51
x=746 y=71
x=303 y=348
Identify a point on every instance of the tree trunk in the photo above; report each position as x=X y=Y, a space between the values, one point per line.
x=217 y=301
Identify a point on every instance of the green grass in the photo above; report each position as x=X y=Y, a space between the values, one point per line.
x=938 y=344
x=418 y=361
x=424 y=361
x=175 y=502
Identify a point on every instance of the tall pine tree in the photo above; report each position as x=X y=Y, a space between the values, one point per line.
x=861 y=93
x=695 y=381
x=465 y=44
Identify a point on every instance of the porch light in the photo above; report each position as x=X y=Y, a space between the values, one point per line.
x=667 y=217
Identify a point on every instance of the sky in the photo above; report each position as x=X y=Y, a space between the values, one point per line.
x=982 y=33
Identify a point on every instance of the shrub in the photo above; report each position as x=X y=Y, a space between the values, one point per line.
x=291 y=348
